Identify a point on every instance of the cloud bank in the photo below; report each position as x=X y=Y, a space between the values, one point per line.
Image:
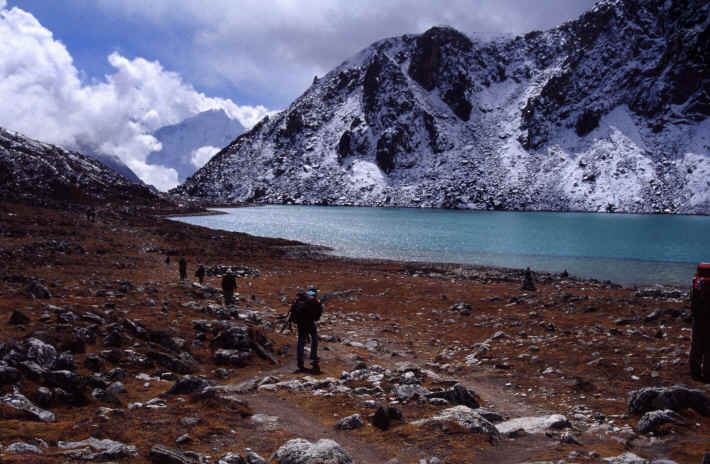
x=274 y=48
x=43 y=96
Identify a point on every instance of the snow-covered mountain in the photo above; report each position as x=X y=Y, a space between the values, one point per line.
x=115 y=163
x=188 y=144
x=608 y=112
x=38 y=172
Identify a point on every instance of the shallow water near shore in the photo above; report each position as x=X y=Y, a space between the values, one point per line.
x=625 y=248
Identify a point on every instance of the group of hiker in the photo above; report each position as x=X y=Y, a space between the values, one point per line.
x=306 y=309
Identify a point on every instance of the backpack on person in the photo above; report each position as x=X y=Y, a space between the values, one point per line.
x=299 y=313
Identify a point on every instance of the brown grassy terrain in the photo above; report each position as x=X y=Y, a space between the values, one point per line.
x=589 y=337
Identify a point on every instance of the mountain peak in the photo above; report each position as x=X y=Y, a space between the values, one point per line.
x=604 y=113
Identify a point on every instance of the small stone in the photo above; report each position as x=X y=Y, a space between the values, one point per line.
x=185 y=438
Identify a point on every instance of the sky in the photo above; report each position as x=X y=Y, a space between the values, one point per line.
x=102 y=75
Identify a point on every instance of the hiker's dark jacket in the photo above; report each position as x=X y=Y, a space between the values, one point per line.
x=229 y=283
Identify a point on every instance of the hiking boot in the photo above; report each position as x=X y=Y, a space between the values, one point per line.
x=299 y=369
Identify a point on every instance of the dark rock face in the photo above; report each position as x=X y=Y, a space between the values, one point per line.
x=344 y=145
x=431 y=66
x=389 y=145
x=675 y=398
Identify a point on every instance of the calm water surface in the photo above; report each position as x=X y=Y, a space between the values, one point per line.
x=625 y=248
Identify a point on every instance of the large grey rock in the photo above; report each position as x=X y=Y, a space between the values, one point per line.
x=409 y=392
x=650 y=421
x=626 y=458
x=231 y=357
x=188 y=384
x=235 y=337
x=44 y=354
x=536 y=424
x=459 y=394
x=160 y=454
x=300 y=451
x=467 y=418
x=350 y=422
x=20 y=447
x=677 y=398
x=231 y=458
x=20 y=402
x=93 y=449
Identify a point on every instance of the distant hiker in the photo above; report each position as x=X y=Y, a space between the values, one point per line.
x=528 y=281
x=183 y=268
x=200 y=273
x=167 y=260
x=91 y=215
x=700 y=344
x=229 y=284
x=306 y=309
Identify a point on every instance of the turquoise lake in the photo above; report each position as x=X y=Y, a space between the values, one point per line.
x=625 y=248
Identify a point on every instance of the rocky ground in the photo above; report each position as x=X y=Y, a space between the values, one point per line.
x=106 y=356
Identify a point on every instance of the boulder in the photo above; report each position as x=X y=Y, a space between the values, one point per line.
x=188 y=384
x=18 y=318
x=44 y=354
x=231 y=357
x=182 y=364
x=465 y=417
x=459 y=394
x=626 y=458
x=20 y=447
x=408 y=392
x=160 y=454
x=384 y=416
x=93 y=449
x=300 y=451
x=235 y=337
x=536 y=424
x=677 y=398
x=650 y=421
x=9 y=375
x=37 y=290
x=20 y=402
x=350 y=422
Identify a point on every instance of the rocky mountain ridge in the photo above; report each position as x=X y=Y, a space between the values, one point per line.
x=604 y=113
x=42 y=173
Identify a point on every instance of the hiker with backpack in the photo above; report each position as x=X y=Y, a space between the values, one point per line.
x=200 y=274
x=305 y=311
x=229 y=284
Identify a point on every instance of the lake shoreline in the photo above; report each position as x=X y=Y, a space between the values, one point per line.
x=579 y=268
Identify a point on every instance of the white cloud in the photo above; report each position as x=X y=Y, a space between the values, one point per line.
x=43 y=97
x=202 y=155
x=272 y=49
